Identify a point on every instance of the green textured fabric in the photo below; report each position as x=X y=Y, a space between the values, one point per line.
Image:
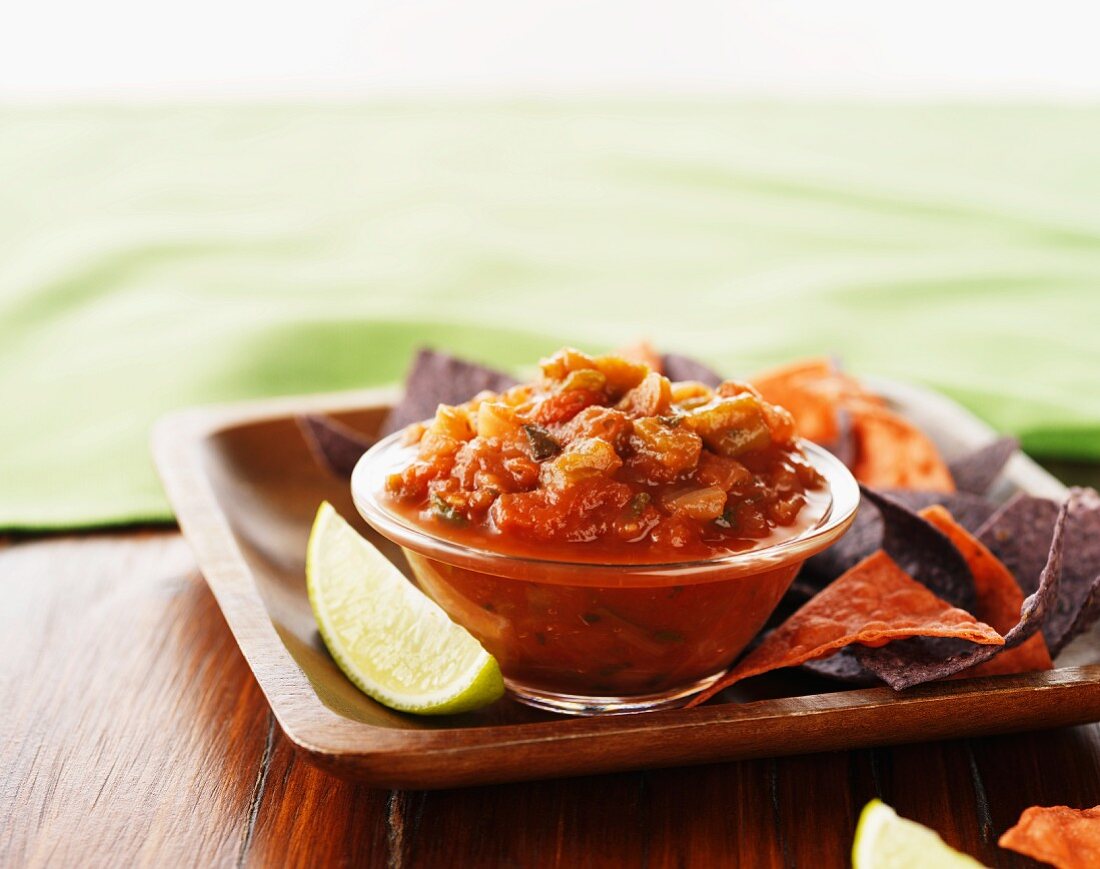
x=152 y=258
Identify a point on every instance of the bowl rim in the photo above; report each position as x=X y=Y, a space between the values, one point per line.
x=842 y=490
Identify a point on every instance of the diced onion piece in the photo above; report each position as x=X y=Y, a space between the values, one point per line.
x=675 y=449
x=723 y=472
x=691 y=392
x=621 y=374
x=495 y=420
x=651 y=397
x=731 y=426
x=558 y=366
x=702 y=505
x=585 y=378
x=779 y=420
x=588 y=457
x=450 y=429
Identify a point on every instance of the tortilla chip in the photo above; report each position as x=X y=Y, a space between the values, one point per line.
x=923 y=551
x=1087 y=615
x=843 y=667
x=977 y=471
x=863 y=538
x=969 y=510
x=435 y=379
x=1067 y=838
x=913 y=662
x=1019 y=534
x=865 y=534
x=892 y=453
x=998 y=599
x=873 y=603
x=1073 y=612
x=335 y=446
x=677 y=368
x=811 y=389
x=1024 y=527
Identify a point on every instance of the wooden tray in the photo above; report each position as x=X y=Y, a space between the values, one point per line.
x=245 y=489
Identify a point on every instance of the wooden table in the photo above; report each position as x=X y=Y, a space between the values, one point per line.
x=132 y=733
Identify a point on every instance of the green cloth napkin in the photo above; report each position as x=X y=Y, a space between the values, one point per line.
x=152 y=258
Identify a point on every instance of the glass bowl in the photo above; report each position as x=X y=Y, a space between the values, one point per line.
x=586 y=637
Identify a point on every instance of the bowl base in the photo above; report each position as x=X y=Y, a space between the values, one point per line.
x=584 y=704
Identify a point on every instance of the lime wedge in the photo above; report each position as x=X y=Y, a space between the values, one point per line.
x=394 y=643
x=885 y=841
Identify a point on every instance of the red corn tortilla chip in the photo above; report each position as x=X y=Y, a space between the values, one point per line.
x=998 y=599
x=1067 y=838
x=833 y=409
x=873 y=603
x=893 y=453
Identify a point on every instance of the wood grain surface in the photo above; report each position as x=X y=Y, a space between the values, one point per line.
x=133 y=734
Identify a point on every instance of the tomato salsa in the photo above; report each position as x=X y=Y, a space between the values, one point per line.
x=605 y=459
x=614 y=539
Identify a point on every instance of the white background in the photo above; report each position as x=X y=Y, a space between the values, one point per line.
x=141 y=49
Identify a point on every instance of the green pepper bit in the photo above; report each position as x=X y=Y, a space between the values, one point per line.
x=446 y=511
x=638 y=504
x=543 y=445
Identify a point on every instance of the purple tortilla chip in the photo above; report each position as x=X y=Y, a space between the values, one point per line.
x=970 y=511
x=906 y=663
x=865 y=535
x=1023 y=528
x=335 y=446
x=677 y=367
x=860 y=540
x=1019 y=534
x=436 y=378
x=977 y=471
x=923 y=551
x=1087 y=615
x=1073 y=611
x=844 y=667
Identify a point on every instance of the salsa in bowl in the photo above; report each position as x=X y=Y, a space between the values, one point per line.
x=615 y=540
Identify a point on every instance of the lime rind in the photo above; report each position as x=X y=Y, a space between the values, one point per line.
x=394 y=643
x=886 y=841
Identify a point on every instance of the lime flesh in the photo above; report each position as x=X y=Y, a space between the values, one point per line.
x=394 y=643
x=885 y=841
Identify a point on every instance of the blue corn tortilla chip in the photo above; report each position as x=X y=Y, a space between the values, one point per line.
x=335 y=446
x=860 y=540
x=1075 y=609
x=436 y=378
x=1019 y=534
x=906 y=663
x=865 y=535
x=977 y=471
x=1087 y=615
x=1023 y=527
x=677 y=367
x=970 y=511
x=923 y=551
x=843 y=667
